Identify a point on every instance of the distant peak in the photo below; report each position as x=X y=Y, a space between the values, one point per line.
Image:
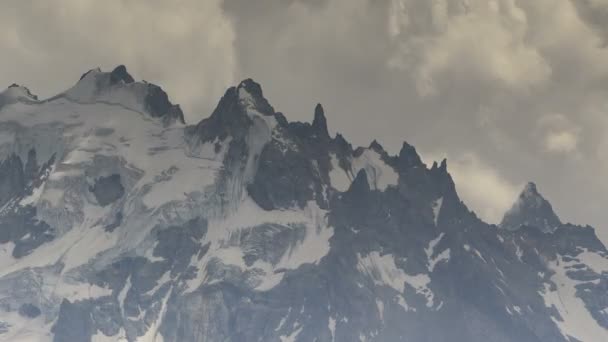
x=531 y=209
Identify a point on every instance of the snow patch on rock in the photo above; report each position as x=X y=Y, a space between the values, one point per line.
x=576 y=321
x=430 y=251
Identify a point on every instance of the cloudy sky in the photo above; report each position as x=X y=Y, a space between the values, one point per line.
x=508 y=90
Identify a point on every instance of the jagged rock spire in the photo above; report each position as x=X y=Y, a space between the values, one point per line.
x=531 y=209
x=319 y=123
x=408 y=157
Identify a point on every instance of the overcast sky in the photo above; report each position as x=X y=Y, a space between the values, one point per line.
x=509 y=91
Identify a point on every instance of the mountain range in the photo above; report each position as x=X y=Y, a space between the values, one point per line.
x=121 y=222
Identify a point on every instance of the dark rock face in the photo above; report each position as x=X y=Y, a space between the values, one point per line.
x=18 y=223
x=286 y=180
x=29 y=311
x=12 y=179
x=158 y=105
x=107 y=189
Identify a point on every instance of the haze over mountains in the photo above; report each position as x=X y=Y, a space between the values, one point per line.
x=120 y=222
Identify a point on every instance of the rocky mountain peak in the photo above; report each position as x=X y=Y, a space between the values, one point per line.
x=531 y=209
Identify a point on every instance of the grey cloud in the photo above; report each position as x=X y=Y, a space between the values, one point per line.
x=595 y=12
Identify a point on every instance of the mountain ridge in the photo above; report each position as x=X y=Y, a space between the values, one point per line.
x=119 y=221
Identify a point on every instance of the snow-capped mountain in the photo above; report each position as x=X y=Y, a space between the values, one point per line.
x=120 y=222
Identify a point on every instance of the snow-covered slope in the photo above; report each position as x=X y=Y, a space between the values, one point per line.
x=119 y=222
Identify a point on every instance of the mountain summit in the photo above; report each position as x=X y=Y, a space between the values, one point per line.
x=531 y=209
x=118 y=222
